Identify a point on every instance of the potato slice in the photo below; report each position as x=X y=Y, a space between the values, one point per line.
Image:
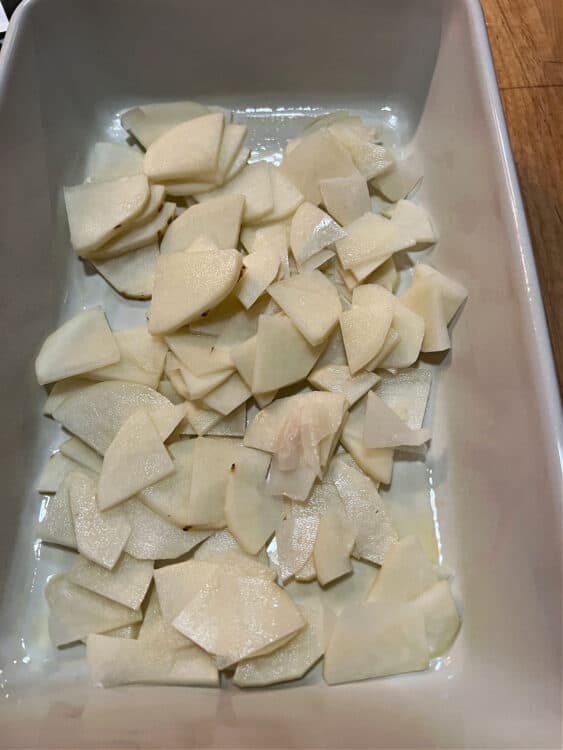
x=149 y=121
x=244 y=356
x=285 y=195
x=371 y=159
x=415 y=220
x=441 y=618
x=201 y=419
x=97 y=211
x=289 y=662
x=167 y=418
x=198 y=387
x=219 y=219
x=307 y=573
x=376 y=462
x=100 y=537
x=61 y=390
x=78 y=451
x=137 y=236
x=338 y=379
x=231 y=146
x=386 y=275
x=233 y=425
x=312 y=230
x=407 y=394
x=55 y=519
x=132 y=274
x=155 y=628
x=345 y=198
x=212 y=461
x=127 y=583
x=189 y=150
x=113 y=661
x=410 y=328
x=251 y=512
x=58 y=467
x=110 y=161
x=371 y=238
x=169 y=497
x=135 y=459
x=375 y=640
x=316 y=157
x=270 y=236
x=260 y=270
x=295 y=540
x=178 y=584
x=333 y=547
x=397 y=183
x=295 y=483
x=406 y=573
x=383 y=428
x=334 y=352
x=234 y=616
x=364 y=330
x=228 y=396
x=283 y=355
x=252 y=182
x=222 y=548
x=81 y=344
x=141 y=358
x=375 y=534
x=74 y=612
x=188 y=284
x=199 y=353
x=317 y=260
x=153 y=538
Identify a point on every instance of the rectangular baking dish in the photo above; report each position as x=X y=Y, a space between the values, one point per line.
x=67 y=68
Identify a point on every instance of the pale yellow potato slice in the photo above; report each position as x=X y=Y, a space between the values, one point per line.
x=132 y=274
x=137 y=236
x=244 y=356
x=371 y=159
x=338 y=379
x=376 y=640
x=307 y=573
x=198 y=387
x=233 y=425
x=371 y=238
x=155 y=628
x=127 y=583
x=135 y=459
x=364 y=507
x=97 y=211
x=295 y=539
x=317 y=260
x=141 y=358
x=110 y=161
x=333 y=547
x=57 y=467
x=364 y=330
x=407 y=393
x=81 y=344
x=405 y=574
x=79 y=452
x=169 y=497
x=411 y=328
x=290 y=661
x=283 y=355
x=275 y=232
x=398 y=182
x=260 y=270
x=231 y=145
x=55 y=519
x=316 y=157
x=223 y=548
x=228 y=396
x=149 y=121
x=415 y=220
x=212 y=461
x=389 y=345
x=251 y=512
x=61 y=390
x=166 y=418
x=100 y=537
x=441 y=617
x=365 y=269
x=383 y=428
x=312 y=230
x=239 y=163
x=75 y=612
x=189 y=150
x=376 y=462
x=153 y=538
x=219 y=219
x=286 y=196
x=334 y=352
x=252 y=182
x=200 y=418
x=386 y=275
x=178 y=584
x=295 y=483
x=345 y=198
x=199 y=353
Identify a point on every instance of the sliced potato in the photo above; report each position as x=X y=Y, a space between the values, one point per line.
x=166 y=418
x=219 y=219
x=55 y=519
x=58 y=467
x=137 y=236
x=260 y=270
x=127 y=583
x=63 y=389
x=441 y=618
x=399 y=182
x=199 y=353
x=252 y=182
x=141 y=358
x=410 y=328
x=406 y=573
x=345 y=198
x=364 y=330
x=371 y=159
x=415 y=220
x=79 y=452
x=132 y=274
x=371 y=238
x=244 y=356
x=83 y=343
x=333 y=547
x=169 y=497
x=228 y=396
x=406 y=393
x=386 y=275
x=201 y=419
x=110 y=161
x=149 y=121
x=231 y=145
x=295 y=539
x=222 y=548
x=376 y=462
x=212 y=461
x=383 y=428
x=285 y=195
x=178 y=584
x=198 y=387
x=338 y=379
x=312 y=230
x=295 y=483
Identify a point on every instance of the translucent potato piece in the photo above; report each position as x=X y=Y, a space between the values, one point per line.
x=333 y=547
x=74 y=612
x=189 y=150
x=415 y=220
x=252 y=182
x=199 y=353
x=149 y=121
x=223 y=549
x=260 y=270
x=371 y=159
x=311 y=301
x=383 y=428
x=233 y=425
x=386 y=275
x=137 y=236
x=198 y=387
x=141 y=358
x=57 y=467
x=398 y=182
x=127 y=583
x=407 y=394
x=317 y=260
x=97 y=211
x=228 y=396
x=178 y=584
x=334 y=352
x=79 y=452
x=274 y=232
x=312 y=230
x=345 y=198
x=169 y=497
x=135 y=459
x=61 y=390
x=155 y=628
x=376 y=462
x=364 y=330
x=219 y=219
x=410 y=328
x=188 y=284
x=131 y=274
x=371 y=238
x=95 y=414
x=295 y=483
x=235 y=616
x=231 y=145
x=307 y=573
x=100 y=537
x=201 y=419
x=375 y=640
x=212 y=461
x=153 y=538
x=317 y=156
x=406 y=573
x=81 y=344
x=375 y=534
x=55 y=519
x=441 y=618
x=295 y=538
x=251 y=512
x=337 y=379
x=244 y=356
x=110 y=161
x=283 y=355
x=389 y=344
x=114 y=661
x=289 y=662
x=285 y=195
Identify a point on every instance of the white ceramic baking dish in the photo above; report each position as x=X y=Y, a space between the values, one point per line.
x=67 y=68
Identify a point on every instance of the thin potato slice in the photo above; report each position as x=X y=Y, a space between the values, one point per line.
x=138 y=236
x=383 y=428
x=55 y=519
x=212 y=461
x=338 y=379
x=228 y=396
x=253 y=182
x=406 y=573
x=312 y=230
x=260 y=270
x=376 y=462
x=333 y=547
x=132 y=274
x=78 y=451
x=141 y=358
x=371 y=238
x=110 y=161
x=285 y=195
x=345 y=198
x=219 y=219
x=364 y=330
x=127 y=583
x=149 y=121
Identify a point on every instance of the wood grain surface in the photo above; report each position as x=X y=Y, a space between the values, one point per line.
x=527 y=42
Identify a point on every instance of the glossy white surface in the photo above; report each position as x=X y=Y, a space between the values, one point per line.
x=66 y=69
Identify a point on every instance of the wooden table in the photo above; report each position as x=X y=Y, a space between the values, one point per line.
x=527 y=42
